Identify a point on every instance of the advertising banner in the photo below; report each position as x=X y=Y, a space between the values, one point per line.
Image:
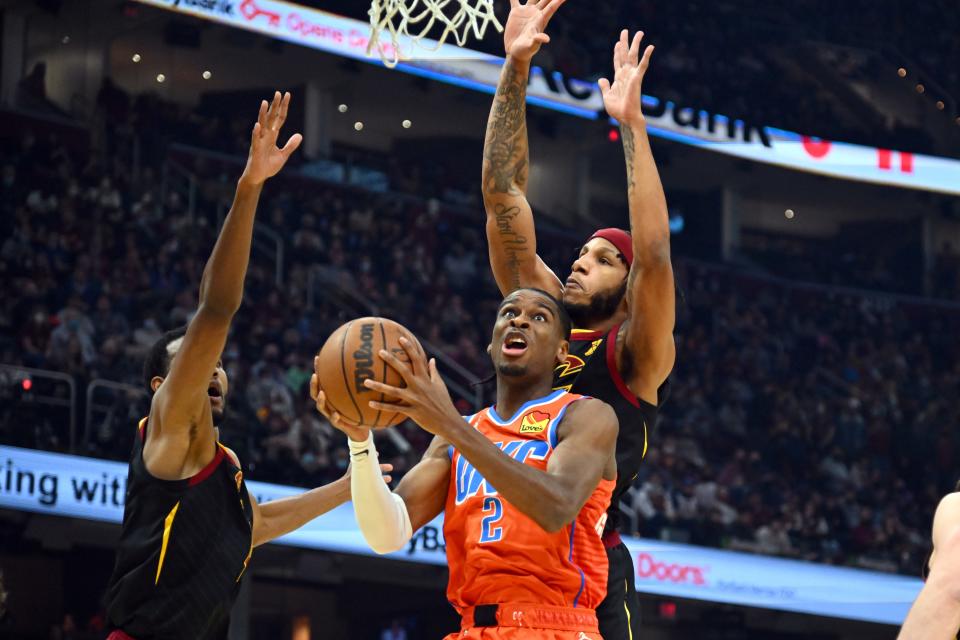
x=685 y=124
x=80 y=487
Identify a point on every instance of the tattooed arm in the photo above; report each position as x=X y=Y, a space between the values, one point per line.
x=510 y=229
x=648 y=332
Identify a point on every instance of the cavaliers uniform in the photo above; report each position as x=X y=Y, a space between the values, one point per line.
x=508 y=577
x=183 y=548
x=591 y=369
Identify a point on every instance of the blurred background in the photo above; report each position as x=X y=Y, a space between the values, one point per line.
x=811 y=156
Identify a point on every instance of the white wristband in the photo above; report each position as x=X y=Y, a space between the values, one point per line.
x=381 y=515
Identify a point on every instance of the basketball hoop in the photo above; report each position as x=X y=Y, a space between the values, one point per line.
x=408 y=22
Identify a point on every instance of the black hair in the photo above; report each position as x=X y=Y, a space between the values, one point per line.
x=158 y=360
x=566 y=324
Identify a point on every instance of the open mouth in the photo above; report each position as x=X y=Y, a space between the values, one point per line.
x=514 y=344
x=215 y=392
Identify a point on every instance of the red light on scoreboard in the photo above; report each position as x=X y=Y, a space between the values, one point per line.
x=27 y=384
x=613 y=135
x=668 y=610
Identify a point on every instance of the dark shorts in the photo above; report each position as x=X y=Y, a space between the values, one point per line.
x=619 y=613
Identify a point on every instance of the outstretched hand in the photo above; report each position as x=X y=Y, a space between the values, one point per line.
x=524 y=32
x=425 y=399
x=266 y=158
x=622 y=98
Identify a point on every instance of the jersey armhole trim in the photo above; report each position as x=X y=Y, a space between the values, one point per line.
x=553 y=436
x=615 y=371
x=582 y=335
x=205 y=473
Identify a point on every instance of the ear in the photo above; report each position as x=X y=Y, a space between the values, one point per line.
x=155 y=383
x=490 y=349
x=562 y=351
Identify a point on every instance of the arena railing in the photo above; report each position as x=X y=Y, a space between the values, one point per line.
x=467 y=386
x=270 y=243
x=34 y=393
x=116 y=413
x=176 y=178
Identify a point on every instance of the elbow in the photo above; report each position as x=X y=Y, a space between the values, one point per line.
x=560 y=513
x=384 y=547
x=223 y=310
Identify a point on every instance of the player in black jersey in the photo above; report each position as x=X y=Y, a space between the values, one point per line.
x=936 y=611
x=189 y=524
x=620 y=292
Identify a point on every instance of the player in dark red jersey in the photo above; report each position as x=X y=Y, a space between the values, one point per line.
x=189 y=524
x=620 y=292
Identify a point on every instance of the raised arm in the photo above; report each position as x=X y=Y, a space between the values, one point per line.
x=510 y=230
x=935 y=615
x=174 y=442
x=584 y=454
x=648 y=332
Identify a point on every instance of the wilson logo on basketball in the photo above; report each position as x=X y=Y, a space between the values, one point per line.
x=649 y=567
x=534 y=422
x=363 y=358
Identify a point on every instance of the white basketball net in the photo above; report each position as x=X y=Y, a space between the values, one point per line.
x=414 y=19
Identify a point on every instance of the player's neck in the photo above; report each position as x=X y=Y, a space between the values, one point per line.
x=603 y=325
x=514 y=394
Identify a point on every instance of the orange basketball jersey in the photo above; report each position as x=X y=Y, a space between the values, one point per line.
x=496 y=554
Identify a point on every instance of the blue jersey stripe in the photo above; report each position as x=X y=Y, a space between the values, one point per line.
x=583 y=578
x=496 y=419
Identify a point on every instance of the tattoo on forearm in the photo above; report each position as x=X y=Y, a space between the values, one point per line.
x=514 y=244
x=629 y=149
x=505 y=151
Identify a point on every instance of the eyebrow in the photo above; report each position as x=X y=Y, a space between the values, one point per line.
x=602 y=249
x=539 y=303
x=544 y=305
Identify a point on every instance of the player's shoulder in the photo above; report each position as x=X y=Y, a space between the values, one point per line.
x=587 y=412
x=230 y=454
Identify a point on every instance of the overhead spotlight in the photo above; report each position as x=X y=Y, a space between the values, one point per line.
x=343 y=108
x=358 y=126
x=207 y=75
x=921 y=88
x=136 y=57
x=161 y=78
x=940 y=105
x=788 y=214
x=407 y=124
x=902 y=72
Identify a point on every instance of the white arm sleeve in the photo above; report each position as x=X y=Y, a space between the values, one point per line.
x=381 y=514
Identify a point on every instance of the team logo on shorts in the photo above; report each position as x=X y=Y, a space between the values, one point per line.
x=534 y=422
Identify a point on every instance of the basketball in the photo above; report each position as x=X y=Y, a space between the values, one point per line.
x=350 y=356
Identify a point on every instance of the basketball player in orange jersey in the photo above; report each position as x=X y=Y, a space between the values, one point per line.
x=523 y=485
x=189 y=523
x=620 y=292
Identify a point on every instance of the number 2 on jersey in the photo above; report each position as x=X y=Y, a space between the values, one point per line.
x=488 y=532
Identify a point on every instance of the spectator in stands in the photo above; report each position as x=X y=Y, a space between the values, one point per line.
x=783 y=441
